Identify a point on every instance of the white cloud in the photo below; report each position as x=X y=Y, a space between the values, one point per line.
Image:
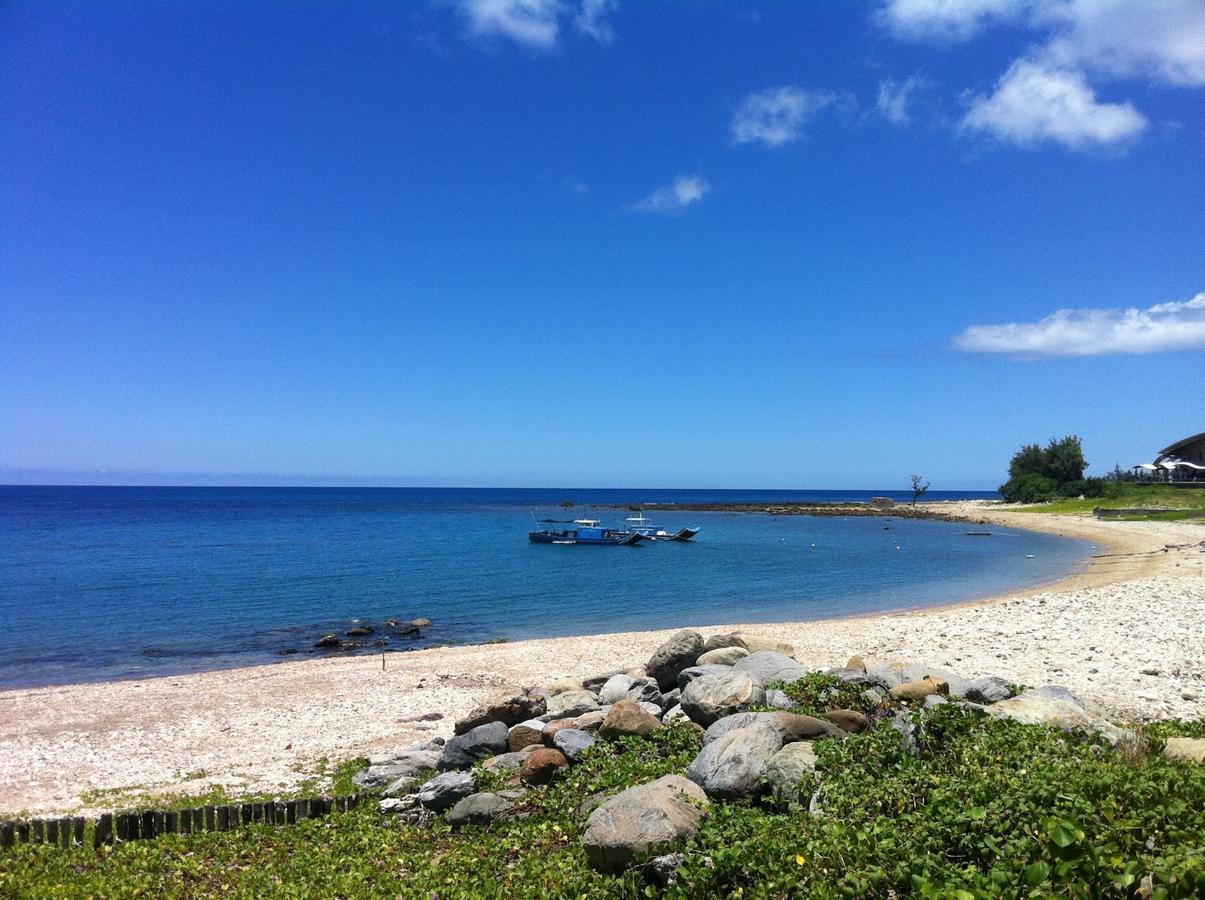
x=945 y=20
x=591 y=20
x=1178 y=325
x=536 y=23
x=776 y=116
x=895 y=97
x=674 y=197
x=1033 y=103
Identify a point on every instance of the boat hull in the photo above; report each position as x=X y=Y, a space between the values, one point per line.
x=605 y=539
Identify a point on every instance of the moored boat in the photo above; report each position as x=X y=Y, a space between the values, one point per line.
x=641 y=524
x=584 y=531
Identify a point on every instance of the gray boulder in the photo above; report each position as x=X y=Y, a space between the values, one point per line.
x=1185 y=749
x=733 y=765
x=894 y=672
x=572 y=742
x=569 y=704
x=675 y=714
x=769 y=666
x=508 y=762
x=690 y=673
x=789 y=770
x=1037 y=708
x=643 y=819
x=755 y=643
x=722 y=656
x=719 y=641
x=512 y=711
x=907 y=731
x=400 y=788
x=476 y=744
x=443 y=791
x=791 y=727
x=989 y=690
x=679 y=652
x=627 y=687
x=478 y=809
x=712 y=697
x=779 y=699
x=406 y=764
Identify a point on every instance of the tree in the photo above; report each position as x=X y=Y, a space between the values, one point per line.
x=1042 y=473
x=919 y=486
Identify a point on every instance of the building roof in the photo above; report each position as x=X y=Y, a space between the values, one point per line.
x=1184 y=443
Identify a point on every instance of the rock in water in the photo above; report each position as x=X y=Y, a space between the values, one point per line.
x=478 y=809
x=542 y=765
x=644 y=819
x=479 y=743
x=722 y=656
x=676 y=654
x=732 y=766
x=789 y=770
x=510 y=711
x=327 y=641
x=443 y=791
x=572 y=742
x=712 y=697
x=628 y=717
x=769 y=665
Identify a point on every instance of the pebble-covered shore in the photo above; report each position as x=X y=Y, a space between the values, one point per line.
x=1125 y=635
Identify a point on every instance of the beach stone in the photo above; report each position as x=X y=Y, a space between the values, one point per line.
x=719 y=641
x=932 y=700
x=573 y=742
x=327 y=641
x=569 y=704
x=1036 y=708
x=563 y=685
x=663 y=870
x=401 y=787
x=791 y=727
x=590 y=721
x=732 y=766
x=595 y=682
x=627 y=718
x=421 y=622
x=443 y=791
x=902 y=723
x=919 y=690
x=643 y=819
x=714 y=696
x=675 y=714
x=391 y=805
x=476 y=744
x=553 y=728
x=478 y=809
x=615 y=689
x=755 y=643
x=506 y=762
x=989 y=690
x=768 y=666
x=722 y=656
x=848 y=720
x=856 y=664
x=1185 y=749
x=779 y=699
x=676 y=654
x=525 y=734
x=542 y=765
x=788 y=770
x=671 y=699
x=405 y=629
x=689 y=674
x=402 y=765
x=511 y=711
x=360 y=631
x=893 y=672
x=1055 y=692
x=857 y=676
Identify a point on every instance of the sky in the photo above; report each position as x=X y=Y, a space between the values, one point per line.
x=597 y=242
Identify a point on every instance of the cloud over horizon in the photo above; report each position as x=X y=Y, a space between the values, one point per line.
x=776 y=116
x=684 y=191
x=1164 y=327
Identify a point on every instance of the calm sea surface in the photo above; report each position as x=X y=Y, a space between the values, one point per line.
x=104 y=583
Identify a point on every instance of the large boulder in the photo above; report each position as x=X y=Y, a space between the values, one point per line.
x=673 y=656
x=572 y=742
x=788 y=770
x=755 y=643
x=507 y=762
x=627 y=687
x=525 y=734
x=920 y=690
x=1035 y=708
x=478 y=809
x=406 y=764
x=791 y=727
x=714 y=696
x=732 y=766
x=719 y=641
x=443 y=791
x=1185 y=749
x=510 y=711
x=895 y=671
x=848 y=720
x=569 y=704
x=476 y=744
x=627 y=717
x=779 y=699
x=722 y=656
x=690 y=673
x=647 y=818
x=542 y=765
x=769 y=665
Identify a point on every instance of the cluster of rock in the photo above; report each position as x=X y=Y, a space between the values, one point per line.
x=351 y=638
x=710 y=685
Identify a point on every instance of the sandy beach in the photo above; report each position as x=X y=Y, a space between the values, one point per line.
x=1125 y=632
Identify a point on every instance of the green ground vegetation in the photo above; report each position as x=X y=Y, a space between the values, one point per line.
x=1183 y=503
x=989 y=809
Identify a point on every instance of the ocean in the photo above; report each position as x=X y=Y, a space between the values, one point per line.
x=105 y=583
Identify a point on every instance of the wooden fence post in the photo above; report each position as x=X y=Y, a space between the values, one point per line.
x=103 y=832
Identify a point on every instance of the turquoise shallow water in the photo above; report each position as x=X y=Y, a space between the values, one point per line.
x=107 y=583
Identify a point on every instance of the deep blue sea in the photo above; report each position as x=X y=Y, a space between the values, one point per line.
x=102 y=583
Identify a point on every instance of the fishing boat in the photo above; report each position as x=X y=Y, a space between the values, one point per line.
x=641 y=524
x=584 y=531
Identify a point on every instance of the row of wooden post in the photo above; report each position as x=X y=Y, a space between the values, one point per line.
x=139 y=826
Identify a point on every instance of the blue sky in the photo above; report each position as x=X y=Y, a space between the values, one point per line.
x=494 y=242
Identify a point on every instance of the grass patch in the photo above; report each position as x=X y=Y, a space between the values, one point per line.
x=1185 y=503
x=990 y=809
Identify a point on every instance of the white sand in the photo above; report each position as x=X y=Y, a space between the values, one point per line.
x=263 y=728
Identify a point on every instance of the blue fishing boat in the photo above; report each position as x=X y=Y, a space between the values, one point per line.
x=641 y=524
x=584 y=531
